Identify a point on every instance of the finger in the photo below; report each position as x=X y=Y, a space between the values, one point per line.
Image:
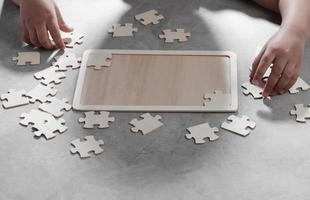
x=55 y=33
x=289 y=75
x=275 y=75
x=256 y=62
x=62 y=24
x=294 y=79
x=42 y=35
x=33 y=37
x=291 y=83
x=264 y=63
x=25 y=34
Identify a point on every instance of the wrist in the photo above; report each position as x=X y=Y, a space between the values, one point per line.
x=301 y=32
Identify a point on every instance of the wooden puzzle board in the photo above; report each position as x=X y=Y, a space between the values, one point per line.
x=174 y=81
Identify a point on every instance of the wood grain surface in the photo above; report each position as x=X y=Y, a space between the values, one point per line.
x=156 y=80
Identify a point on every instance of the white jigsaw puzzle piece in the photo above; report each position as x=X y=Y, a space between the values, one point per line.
x=55 y=106
x=119 y=30
x=149 y=17
x=24 y=58
x=72 y=39
x=299 y=85
x=67 y=60
x=14 y=98
x=171 y=36
x=147 y=124
x=98 y=61
x=239 y=125
x=302 y=113
x=254 y=90
x=83 y=148
x=35 y=117
x=49 y=128
x=201 y=132
x=100 y=119
x=40 y=93
x=50 y=75
x=43 y=123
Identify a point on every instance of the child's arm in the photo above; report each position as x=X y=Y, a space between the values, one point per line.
x=285 y=50
x=38 y=17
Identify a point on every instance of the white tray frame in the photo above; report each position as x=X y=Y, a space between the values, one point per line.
x=233 y=83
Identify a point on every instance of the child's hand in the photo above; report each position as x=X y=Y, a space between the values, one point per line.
x=285 y=50
x=40 y=17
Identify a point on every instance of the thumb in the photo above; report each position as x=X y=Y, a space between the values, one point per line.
x=62 y=24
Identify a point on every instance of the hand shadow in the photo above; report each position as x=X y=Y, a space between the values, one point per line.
x=280 y=107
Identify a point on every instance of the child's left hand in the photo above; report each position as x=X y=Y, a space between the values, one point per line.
x=285 y=50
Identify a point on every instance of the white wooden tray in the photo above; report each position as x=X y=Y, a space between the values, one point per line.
x=172 y=81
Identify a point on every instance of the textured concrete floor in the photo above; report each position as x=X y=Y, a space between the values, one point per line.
x=272 y=163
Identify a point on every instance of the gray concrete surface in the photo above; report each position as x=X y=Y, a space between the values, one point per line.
x=272 y=163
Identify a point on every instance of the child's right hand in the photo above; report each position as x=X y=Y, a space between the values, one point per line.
x=40 y=17
x=285 y=50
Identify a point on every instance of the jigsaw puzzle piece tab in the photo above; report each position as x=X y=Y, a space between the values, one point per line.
x=55 y=106
x=40 y=93
x=49 y=76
